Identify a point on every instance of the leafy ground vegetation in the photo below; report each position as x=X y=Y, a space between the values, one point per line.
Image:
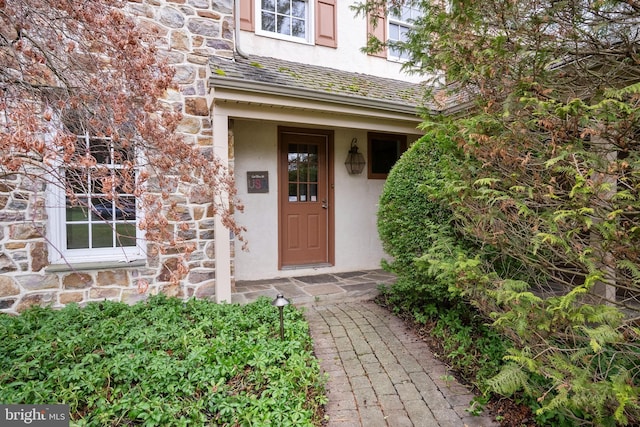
x=164 y=362
x=461 y=338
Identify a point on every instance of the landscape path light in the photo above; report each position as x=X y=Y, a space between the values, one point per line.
x=280 y=302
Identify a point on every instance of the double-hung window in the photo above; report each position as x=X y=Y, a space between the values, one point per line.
x=303 y=21
x=288 y=18
x=400 y=21
x=94 y=217
x=393 y=29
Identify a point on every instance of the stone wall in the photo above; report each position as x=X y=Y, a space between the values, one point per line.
x=190 y=31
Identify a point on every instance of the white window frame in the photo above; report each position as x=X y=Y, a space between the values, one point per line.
x=309 y=21
x=413 y=11
x=55 y=200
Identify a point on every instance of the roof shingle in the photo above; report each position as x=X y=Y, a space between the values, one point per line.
x=318 y=79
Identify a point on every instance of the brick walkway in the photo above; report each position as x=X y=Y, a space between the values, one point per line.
x=380 y=372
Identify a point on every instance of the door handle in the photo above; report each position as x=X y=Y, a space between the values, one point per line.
x=324 y=204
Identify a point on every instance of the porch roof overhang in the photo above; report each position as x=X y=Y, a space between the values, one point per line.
x=241 y=103
x=258 y=88
x=261 y=81
x=261 y=89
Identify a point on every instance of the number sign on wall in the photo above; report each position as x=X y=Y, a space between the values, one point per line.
x=258 y=182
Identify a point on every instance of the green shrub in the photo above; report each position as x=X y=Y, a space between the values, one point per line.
x=163 y=362
x=572 y=362
x=412 y=218
x=577 y=363
x=417 y=229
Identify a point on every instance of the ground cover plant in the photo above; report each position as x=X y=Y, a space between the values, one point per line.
x=164 y=362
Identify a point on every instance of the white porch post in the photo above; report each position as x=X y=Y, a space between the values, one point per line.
x=222 y=241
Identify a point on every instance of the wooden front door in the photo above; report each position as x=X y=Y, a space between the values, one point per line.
x=305 y=201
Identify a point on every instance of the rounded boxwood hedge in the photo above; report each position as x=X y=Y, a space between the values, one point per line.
x=413 y=213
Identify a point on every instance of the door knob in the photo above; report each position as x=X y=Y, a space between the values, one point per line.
x=324 y=204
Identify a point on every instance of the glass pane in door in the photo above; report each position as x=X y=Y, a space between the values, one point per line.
x=303 y=172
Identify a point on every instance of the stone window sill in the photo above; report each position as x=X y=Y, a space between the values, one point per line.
x=97 y=265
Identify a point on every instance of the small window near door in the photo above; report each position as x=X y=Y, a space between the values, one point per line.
x=383 y=152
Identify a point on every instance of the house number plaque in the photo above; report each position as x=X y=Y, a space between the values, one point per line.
x=258 y=182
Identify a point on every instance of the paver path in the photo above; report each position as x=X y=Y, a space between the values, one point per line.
x=382 y=374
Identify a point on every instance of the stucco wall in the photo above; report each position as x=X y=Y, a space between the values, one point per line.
x=357 y=245
x=352 y=35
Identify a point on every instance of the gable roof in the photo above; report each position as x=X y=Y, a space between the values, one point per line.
x=276 y=76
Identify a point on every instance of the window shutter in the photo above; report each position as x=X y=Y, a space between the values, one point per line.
x=380 y=31
x=326 y=23
x=247 y=15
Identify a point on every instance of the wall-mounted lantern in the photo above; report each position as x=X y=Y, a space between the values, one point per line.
x=280 y=302
x=355 y=160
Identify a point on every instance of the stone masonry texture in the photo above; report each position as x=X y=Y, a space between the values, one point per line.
x=189 y=33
